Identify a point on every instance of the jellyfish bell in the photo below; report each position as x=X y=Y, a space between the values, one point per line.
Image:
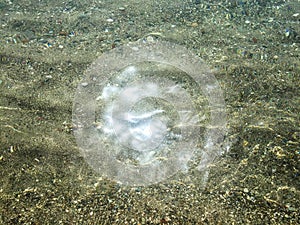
x=157 y=108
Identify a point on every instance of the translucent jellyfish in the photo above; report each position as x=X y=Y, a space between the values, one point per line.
x=146 y=110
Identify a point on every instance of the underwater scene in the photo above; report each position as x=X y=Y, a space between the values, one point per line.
x=149 y=112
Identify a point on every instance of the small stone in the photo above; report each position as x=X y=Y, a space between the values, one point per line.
x=150 y=39
x=194 y=24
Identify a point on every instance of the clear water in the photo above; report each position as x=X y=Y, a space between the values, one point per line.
x=152 y=144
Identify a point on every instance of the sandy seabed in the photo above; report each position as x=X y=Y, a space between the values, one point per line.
x=251 y=46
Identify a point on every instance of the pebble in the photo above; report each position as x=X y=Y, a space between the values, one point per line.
x=150 y=39
x=194 y=24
